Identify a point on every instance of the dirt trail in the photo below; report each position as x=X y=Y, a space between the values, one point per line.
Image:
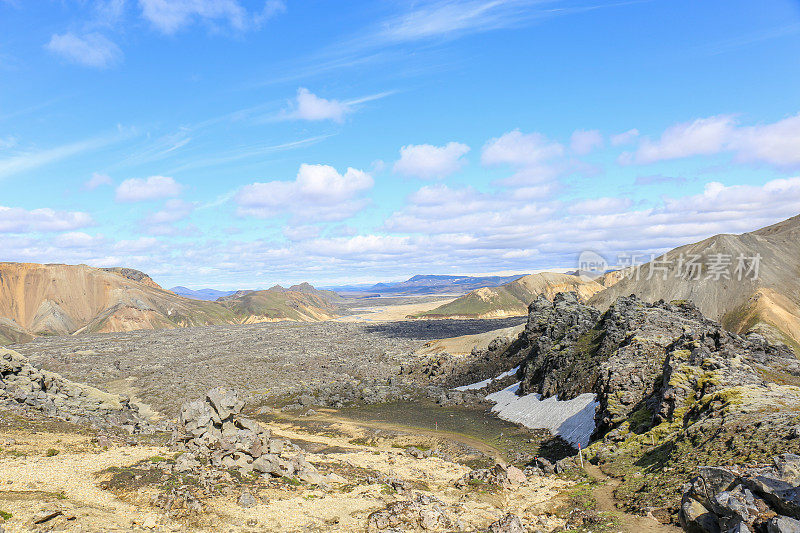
x=604 y=494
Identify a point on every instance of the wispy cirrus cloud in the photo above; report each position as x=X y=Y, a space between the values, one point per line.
x=88 y=50
x=24 y=161
x=453 y=18
x=170 y=16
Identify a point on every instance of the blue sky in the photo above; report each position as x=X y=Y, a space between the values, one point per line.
x=233 y=144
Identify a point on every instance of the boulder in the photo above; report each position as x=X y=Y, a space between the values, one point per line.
x=760 y=498
x=510 y=523
x=214 y=429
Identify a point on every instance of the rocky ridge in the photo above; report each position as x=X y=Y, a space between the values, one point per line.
x=24 y=387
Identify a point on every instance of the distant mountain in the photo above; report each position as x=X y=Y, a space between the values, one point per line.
x=722 y=286
x=201 y=294
x=65 y=299
x=420 y=285
x=300 y=302
x=72 y=299
x=512 y=299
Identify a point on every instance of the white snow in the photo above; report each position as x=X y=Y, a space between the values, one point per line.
x=487 y=382
x=572 y=420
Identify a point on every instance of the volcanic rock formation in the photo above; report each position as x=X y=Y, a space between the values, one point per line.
x=215 y=431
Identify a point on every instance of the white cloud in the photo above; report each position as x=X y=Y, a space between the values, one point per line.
x=302 y=232
x=778 y=143
x=78 y=239
x=362 y=246
x=703 y=136
x=174 y=210
x=319 y=192
x=18 y=220
x=584 y=141
x=625 y=137
x=520 y=149
x=98 y=179
x=596 y=206
x=309 y=106
x=431 y=162
x=152 y=188
x=271 y=8
x=89 y=50
x=169 y=16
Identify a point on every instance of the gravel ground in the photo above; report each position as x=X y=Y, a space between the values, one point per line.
x=166 y=367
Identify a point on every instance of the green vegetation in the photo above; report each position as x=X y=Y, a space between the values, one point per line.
x=580 y=509
x=52 y=452
x=5 y=515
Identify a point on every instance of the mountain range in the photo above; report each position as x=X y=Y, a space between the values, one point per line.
x=513 y=298
x=201 y=294
x=71 y=299
x=426 y=285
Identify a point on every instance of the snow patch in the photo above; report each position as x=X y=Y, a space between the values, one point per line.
x=487 y=382
x=572 y=420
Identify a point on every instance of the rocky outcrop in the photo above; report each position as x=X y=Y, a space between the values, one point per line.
x=674 y=389
x=214 y=431
x=24 y=387
x=757 y=499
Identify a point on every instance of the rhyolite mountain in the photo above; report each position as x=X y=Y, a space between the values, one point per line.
x=57 y=299
x=769 y=304
x=513 y=298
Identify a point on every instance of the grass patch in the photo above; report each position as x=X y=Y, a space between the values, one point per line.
x=5 y=515
x=52 y=452
x=579 y=509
